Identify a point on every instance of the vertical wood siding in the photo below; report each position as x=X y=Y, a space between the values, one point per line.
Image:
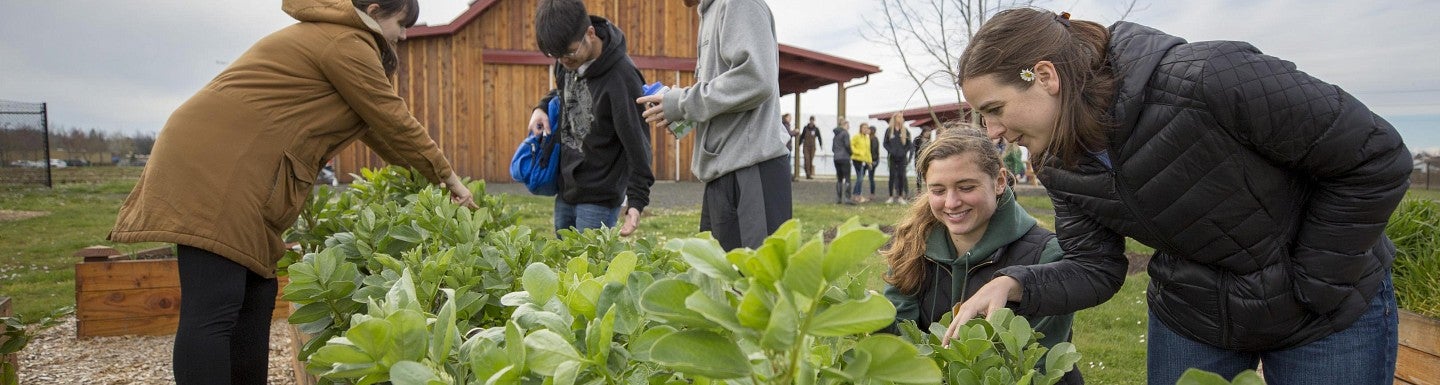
x=476 y=111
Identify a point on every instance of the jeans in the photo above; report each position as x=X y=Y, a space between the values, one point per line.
x=1362 y=354
x=583 y=216
x=860 y=169
x=224 y=332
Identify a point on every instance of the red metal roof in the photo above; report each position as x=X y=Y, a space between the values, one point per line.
x=920 y=116
x=800 y=69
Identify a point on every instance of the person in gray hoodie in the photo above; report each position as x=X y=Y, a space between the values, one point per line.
x=740 y=150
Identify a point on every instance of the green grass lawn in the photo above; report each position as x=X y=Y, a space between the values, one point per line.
x=1418 y=193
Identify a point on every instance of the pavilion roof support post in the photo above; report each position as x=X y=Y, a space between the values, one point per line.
x=844 y=89
x=795 y=148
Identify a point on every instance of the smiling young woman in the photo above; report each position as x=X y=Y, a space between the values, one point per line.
x=1264 y=191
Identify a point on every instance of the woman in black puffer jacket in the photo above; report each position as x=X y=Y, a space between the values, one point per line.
x=1264 y=191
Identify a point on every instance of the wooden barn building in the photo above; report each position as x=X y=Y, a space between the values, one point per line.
x=473 y=82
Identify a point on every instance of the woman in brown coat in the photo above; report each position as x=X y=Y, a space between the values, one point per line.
x=233 y=166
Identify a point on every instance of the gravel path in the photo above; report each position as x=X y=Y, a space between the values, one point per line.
x=57 y=357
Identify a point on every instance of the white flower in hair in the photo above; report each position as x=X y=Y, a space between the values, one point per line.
x=1027 y=75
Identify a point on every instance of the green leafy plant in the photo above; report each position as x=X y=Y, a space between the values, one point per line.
x=1194 y=376
x=792 y=311
x=18 y=333
x=1415 y=229
x=999 y=349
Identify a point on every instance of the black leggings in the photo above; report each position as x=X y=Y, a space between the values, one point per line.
x=842 y=180
x=899 y=186
x=225 y=309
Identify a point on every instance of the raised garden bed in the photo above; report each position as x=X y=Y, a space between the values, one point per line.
x=136 y=294
x=5 y=311
x=1418 y=361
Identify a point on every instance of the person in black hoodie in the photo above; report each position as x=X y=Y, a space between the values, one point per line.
x=605 y=143
x=1263 y=190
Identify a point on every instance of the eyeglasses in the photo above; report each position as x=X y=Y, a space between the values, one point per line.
x=573 y=51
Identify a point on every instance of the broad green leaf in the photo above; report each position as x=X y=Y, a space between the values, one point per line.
x=402 y=295
x=567 y=372
x=641 y=345
x=851 y=248
x=664 y=301
x=547 y=351
x=782 y=328
x=753 y=312
x=620 y=267
x=540 y=282
x=853 y=317
x=444 y=332
x=721 y=313
x=371 y=336
x=310 y=312
x=702 y=353
x=1061 y=358
x=1249 y=377
x=894 y=360
x=1195 y=376
x=768 y=263
x=412 y=373
x=804 y=275
x=583 y=297
x=515 y=346
x=599 y=334
x=341 y=353
x=409 y=337
x=705 y=256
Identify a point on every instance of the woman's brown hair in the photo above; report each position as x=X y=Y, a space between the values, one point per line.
x=906 y=255
x=1016 y=39
x=388 y=8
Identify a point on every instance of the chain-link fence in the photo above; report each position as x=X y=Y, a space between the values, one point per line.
x=25 y=144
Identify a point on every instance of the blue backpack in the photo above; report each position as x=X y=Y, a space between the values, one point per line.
x=537 y=162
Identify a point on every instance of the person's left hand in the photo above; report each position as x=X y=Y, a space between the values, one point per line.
x=654 y=110
x=632 y=220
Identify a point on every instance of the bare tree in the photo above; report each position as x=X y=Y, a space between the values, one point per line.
x=929 y=35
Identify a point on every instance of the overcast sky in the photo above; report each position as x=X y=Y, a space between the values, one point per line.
x=125 y=65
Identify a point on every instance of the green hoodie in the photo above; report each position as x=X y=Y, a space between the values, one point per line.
x=1009 y=223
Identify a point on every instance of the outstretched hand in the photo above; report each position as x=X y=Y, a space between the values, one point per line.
x=459 y=194
x=984 y=302
x=632 y=220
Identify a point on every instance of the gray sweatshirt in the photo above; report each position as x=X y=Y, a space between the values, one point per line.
x=735 y=102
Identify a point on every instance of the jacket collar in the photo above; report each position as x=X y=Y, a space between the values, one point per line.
x=1135 y=52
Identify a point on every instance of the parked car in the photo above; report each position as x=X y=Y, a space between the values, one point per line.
x=56 y=163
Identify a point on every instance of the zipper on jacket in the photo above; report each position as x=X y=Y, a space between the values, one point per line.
x=966 y=286
x=1224 y=310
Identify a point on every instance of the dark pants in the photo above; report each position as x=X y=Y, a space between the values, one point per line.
x=225 y=309
x=809 y=149
x=899 y=183
x=743 y=207
x=871 y=168
x=842 y=181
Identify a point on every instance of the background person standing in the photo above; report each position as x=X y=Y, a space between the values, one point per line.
x=735 y=105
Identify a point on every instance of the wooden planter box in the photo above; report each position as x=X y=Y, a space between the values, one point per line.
x=1418 y=359
x=298 y=339
x=5 y=311
x=137 y=294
